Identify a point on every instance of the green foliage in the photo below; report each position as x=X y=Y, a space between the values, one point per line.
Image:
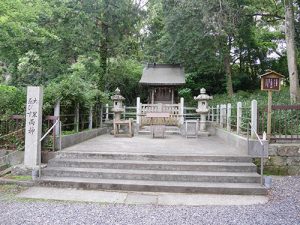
x=12 y=101
x=125 y=74
x=88 y=48
x=29 y=69
x=279 y=98
x=72 y=89
x=196 y=33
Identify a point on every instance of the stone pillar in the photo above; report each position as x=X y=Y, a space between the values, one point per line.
x=91 y=118
x=222 y=115
x=138 y=111
x=57 y=114
x=181 y=110
x=160 y=107
x=238 y=117
x=218 y=114
x=106 y=112
x=33 y=126
x=202 y=122
x=253 y=117
x=152 y=95
x=228 y=117
x=101 y=116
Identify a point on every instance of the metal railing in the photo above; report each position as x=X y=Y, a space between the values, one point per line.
x=262 y=151
x=285 y=122
x=45 y=135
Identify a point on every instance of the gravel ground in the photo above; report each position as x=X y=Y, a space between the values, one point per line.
x=283 y=208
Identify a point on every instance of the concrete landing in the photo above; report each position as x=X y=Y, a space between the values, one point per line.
x=171 y=144
x=149 y=198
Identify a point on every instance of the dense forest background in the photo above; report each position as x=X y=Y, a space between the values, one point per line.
x=85 y=49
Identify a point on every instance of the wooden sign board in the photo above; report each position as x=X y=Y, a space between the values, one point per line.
x=270 y=81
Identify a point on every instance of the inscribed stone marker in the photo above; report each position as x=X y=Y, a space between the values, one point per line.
x=33 y=128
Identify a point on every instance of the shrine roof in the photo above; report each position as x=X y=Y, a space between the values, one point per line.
x=163 y=74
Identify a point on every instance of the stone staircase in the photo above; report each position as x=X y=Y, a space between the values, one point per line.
x=154 y=173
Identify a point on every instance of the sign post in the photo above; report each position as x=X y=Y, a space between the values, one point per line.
x=269 y=118
x=270 y=82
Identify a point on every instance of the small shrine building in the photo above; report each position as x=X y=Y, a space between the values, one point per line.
x=162 y=81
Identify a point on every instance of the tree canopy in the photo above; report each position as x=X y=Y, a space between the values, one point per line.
x=98 y=45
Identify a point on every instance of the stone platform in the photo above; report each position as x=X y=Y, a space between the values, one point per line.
x=171 y=144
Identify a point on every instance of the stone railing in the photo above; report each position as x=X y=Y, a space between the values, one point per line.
x=235 y=118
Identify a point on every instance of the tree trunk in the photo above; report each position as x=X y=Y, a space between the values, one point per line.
x=104 y=43
x=104 y=48
x=228 y=71
x=291 y=51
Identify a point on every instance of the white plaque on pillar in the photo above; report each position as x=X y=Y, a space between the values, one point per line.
x=33 y=126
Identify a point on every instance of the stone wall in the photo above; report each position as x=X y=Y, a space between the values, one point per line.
x=11 y=157
x=72 y=139
x=284 y=159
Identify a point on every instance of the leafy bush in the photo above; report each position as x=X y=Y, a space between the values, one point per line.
x=279 y=98
x=70 y=90
x=12 y=101
x=125 y=74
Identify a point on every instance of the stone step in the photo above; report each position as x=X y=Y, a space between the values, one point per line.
x=152 y=157
x=154 y=175
x=169 y=130
x=155 y=186
x=144 y=132
x=154 y=165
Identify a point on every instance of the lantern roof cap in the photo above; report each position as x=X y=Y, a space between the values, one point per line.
x=117 y=95
x=203 y=95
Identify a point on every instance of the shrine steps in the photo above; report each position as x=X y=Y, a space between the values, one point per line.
x=154 y=172
x=154 y=165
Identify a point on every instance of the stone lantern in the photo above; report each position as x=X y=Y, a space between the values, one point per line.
x=117 y=104
x=203 y=109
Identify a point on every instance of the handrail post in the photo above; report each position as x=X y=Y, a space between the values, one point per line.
x=40 y=152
